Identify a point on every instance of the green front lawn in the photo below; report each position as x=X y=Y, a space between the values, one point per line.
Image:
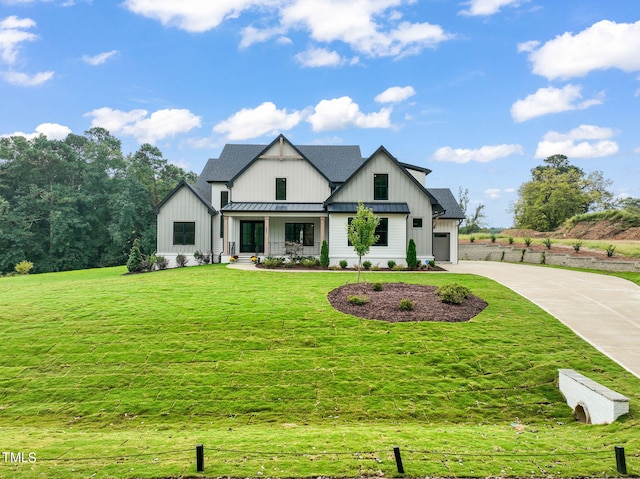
x=122 y=375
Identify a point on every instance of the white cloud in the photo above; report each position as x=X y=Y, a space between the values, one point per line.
x=193 y=15
x=341 y=113
x=484 y=154
x=492 y=193
x=145 y=129
x=319 y=57
x=395 y=94
x=262 y=120
x=24 y=79
x=12 y=34
x=369 y=27
x=487 y=7
x=100 y=58
x=551 y=100
x=585 y=141
x=603 y=45
x=52 y=131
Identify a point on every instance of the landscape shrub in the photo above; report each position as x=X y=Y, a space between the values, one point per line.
x=324 y=254
x=398 y=267
x=202 y=258
x=453 y=293
x=343 y=263
x=310 y=262
x=181 y=261
x=375 y=267
x=472 y=239
x=577 y=245
x=547 y=242
x=366 y=264
x=377 y=286
x=406 y=305
x=358 y=300
x=23 y=267
x=510 y=239
x=528 y=241
x=391 y=264
x=134 y=263
x=272 y=262
x=493 y=238
x=412 y=260
x=610 y=250
x=161 y=262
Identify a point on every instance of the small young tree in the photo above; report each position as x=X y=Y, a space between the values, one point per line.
x=134 y=263
x=324 y=254
x=362 y=232
x=412 y=259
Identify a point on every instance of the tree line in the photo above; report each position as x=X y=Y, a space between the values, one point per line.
x=79 y=202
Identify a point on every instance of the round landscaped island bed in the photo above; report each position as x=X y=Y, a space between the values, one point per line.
x=384 y=305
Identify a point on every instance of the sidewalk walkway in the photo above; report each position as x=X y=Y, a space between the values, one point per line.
x=603 y=310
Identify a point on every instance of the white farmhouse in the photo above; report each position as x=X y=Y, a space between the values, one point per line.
x=254 y=198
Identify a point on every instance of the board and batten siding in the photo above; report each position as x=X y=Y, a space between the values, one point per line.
x=258 y=183
x=340 y=249
x=184 y=206
x=449 y=226
x=401 y=190
x=216 y=189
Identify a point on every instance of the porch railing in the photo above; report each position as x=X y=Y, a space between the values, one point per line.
x=279 y=248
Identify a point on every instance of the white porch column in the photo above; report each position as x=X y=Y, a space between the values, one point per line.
x=267 y=249
x=225 y=236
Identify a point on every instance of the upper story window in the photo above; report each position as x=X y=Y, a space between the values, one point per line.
x=380 y=186
x=417 y=222
x=224 y=199
x=281 y=188
x=184 y=233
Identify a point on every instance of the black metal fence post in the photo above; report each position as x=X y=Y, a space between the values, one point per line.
x=621 y=462
x=200 y=458
x=396 y=453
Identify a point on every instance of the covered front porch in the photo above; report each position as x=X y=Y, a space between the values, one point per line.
x=261 y=230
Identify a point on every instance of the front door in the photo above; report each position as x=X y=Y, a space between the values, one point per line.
x=251 y=236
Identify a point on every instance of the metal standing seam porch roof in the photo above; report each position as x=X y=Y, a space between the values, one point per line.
x=377 y=208
x=274 y=207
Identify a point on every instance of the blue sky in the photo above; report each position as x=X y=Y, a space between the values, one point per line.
x=478 y=91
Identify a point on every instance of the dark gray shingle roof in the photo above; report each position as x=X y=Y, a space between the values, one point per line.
x=448 y=202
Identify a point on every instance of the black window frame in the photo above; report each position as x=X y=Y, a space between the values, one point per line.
x=281 y=189
x=380 y=186
x=382 y=231
x=184 y=233
x=292 y=233
x=417 y=223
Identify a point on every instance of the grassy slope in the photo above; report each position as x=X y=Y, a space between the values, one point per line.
x=97 y=367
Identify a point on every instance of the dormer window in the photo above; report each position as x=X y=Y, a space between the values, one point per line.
x=281 y=189
x=380 y=186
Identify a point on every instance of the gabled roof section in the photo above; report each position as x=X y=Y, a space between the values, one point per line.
x=448 y=202
x=426 y=171
x=184 y=184
x=382 y=149
x=334 y=162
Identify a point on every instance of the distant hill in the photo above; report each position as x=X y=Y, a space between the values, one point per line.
x=605 y=225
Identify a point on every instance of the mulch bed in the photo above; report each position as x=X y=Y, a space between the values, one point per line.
x=384 y=305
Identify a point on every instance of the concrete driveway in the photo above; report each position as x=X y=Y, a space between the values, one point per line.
x=603 y=310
